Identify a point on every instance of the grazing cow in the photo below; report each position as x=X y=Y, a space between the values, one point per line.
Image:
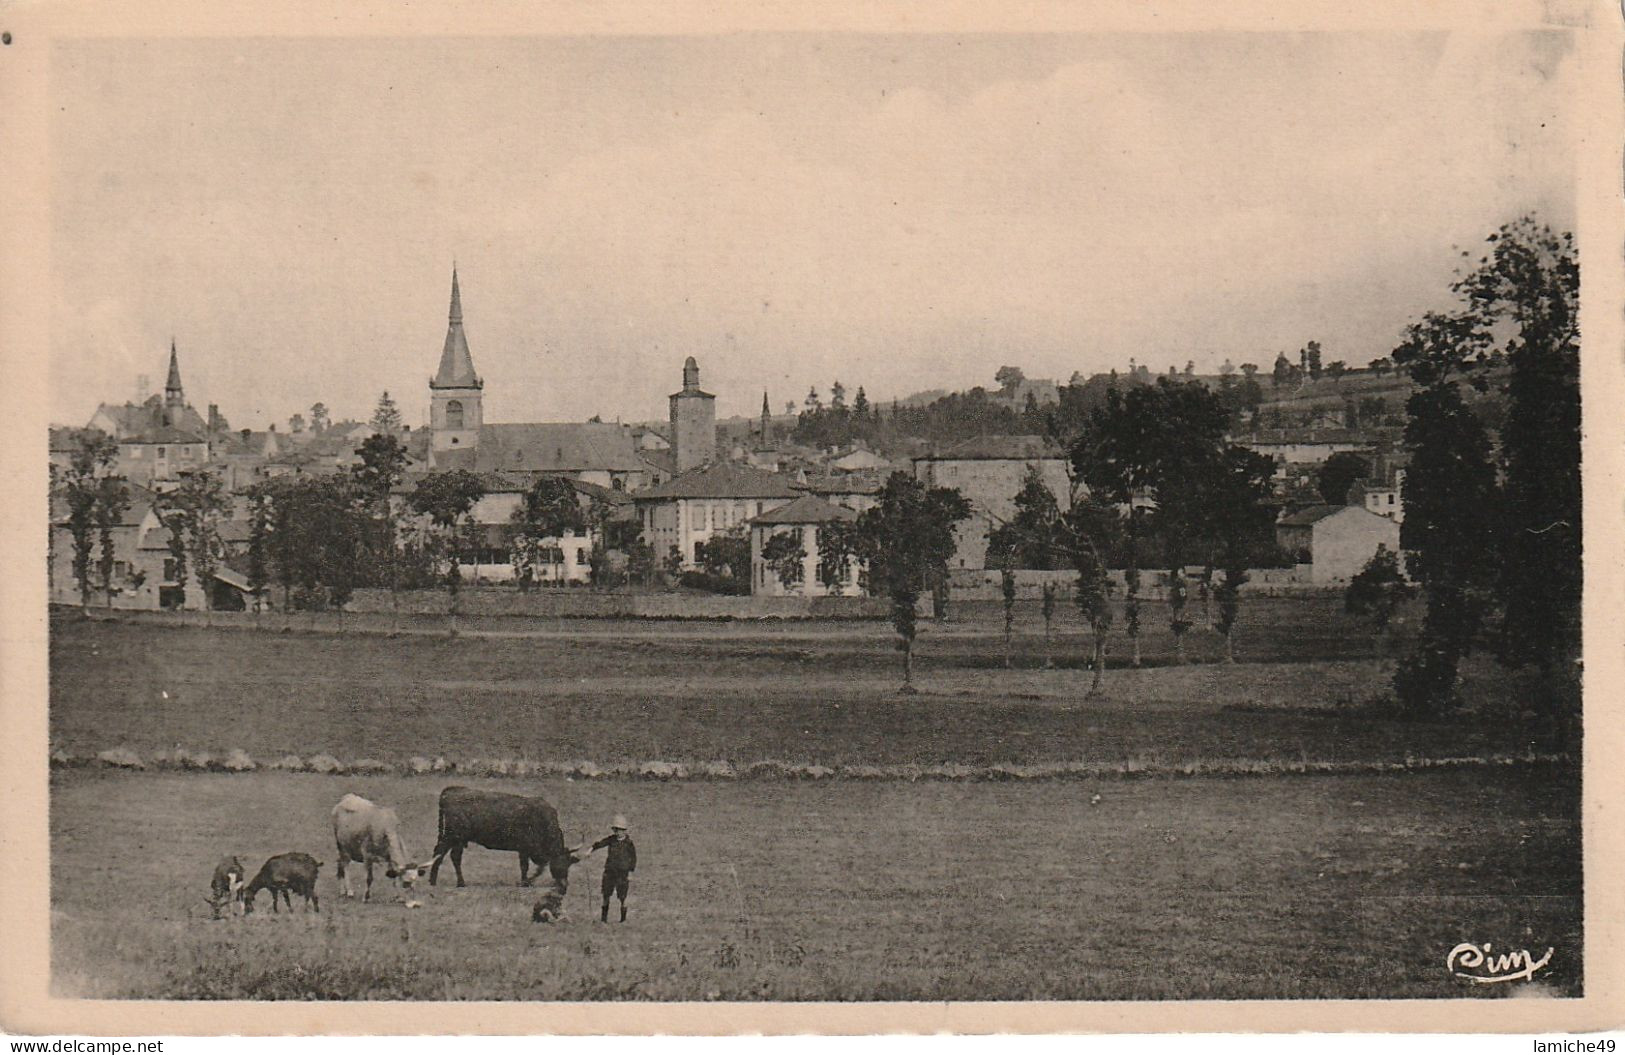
x=499 y=821
x=226 y=888
x=283 y=873
x=367 y=834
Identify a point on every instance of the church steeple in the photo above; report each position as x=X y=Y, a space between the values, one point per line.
x=173 y=394
x=456 y=365
x=455 y=411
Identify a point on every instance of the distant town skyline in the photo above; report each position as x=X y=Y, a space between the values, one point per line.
x=897 y=212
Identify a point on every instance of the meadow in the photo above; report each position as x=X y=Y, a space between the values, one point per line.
x=821 y=693
x=1261 y=887
x=1278 y=885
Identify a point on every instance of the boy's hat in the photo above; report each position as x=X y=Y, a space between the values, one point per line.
x=619 y=822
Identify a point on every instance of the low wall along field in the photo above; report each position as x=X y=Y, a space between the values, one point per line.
x=591 y=604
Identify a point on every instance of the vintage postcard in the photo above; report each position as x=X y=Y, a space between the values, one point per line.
x=849 y=518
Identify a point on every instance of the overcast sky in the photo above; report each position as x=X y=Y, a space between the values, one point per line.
x=898 y=212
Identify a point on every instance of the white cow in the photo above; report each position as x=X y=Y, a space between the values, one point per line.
x=368 y=833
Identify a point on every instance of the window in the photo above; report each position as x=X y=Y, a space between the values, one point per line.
x=454 y=414
x=169 y=569
x=1390 y=499
x=161 y=452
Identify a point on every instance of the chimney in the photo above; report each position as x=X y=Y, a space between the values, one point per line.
x=214 y=417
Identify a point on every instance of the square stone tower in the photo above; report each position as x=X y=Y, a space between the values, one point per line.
x=693 y=421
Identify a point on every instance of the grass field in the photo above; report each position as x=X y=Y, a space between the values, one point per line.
x=707 y=694
x=1266 y=887
x=1257 y=886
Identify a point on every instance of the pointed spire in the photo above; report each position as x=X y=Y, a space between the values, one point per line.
x=456 y=365
x=172 y=387
x=765 y=412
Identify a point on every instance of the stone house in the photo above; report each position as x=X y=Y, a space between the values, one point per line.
x=1335 y=541
x=989 y=471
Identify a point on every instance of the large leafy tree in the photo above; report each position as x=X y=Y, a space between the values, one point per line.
x=785 y=555
x=1238 y=515
x=314 y=533
x=1451 y=507
x=382 y=466
x=193 y=513
x=1034 y=537
x=447 y=499
x=548 y=510
x=726 y=555
x=1089 y=521
x=906 y=541
x=1523 y=299
x=92 y=461
x=837 y=548
x=259 y=550
x=1166 y=443
x=112 y=502
x=1338 y=474
x=1377 y=594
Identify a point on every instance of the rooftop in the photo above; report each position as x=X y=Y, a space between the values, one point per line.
x=995 y=448
x=722 y=480
x=1311 y=515
x=163 y=434
x=808 y=509
x=555 y=447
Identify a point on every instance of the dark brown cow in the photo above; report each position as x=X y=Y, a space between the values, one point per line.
x=283 y=873
x=499 y=821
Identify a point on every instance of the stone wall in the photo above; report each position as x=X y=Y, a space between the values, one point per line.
x=593 y=604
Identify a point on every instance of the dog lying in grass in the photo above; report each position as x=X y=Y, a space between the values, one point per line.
x=550 y=908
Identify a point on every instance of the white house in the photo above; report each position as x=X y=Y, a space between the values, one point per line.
x=805 y=520
x=1336 y=541
x=693 y=506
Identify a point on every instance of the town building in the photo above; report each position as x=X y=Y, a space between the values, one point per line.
x=1313 y=446
x=856 y=491
x=159 y=456
x=1383 y=495
x=691 y=507
x=989 y=472
x=133 y=582
x=1335 y=541
x=806 y=519
x=170 y=410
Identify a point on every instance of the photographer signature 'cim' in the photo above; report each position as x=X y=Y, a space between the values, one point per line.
x=1500 y=967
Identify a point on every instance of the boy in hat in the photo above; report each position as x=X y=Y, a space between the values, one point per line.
x=618 y=866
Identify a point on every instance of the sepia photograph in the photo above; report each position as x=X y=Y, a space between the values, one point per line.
x=814 y=516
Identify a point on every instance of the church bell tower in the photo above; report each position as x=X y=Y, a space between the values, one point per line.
x=455 y=391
